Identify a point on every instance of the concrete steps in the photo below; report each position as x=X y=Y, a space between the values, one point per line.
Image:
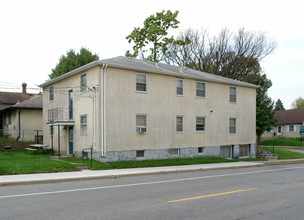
x=260 y=153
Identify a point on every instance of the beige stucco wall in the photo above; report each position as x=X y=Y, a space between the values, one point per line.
x=30 y=120
x=161 y=105
x=82 y=105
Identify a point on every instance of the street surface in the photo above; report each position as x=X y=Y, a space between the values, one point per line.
x=267 y=192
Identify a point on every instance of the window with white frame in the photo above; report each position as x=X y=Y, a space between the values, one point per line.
x=83 y=82
x=200 y=89
x=291 y=128
x=179 y=87
x=200 y=123
x=141 y=123
x=232 y=94
x=83 y=124
x=51 y=93
x=232 y=125
x=179 y=123
x=141 y=82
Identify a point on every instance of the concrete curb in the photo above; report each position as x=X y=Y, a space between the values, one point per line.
x=103 y=174
x=23 y=179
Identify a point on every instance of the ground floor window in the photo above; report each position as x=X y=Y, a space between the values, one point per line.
x=244 y=150
x=83 y=124
x=292 y=128
x=226 y=151
x=141 y=123
x=179 y=124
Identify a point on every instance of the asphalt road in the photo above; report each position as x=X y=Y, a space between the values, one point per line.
x=268 y=192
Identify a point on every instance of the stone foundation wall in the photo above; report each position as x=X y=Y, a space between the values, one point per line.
x=150 y=154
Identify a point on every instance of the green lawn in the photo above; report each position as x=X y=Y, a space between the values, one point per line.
x=282 y=142
x=283 y=153
x=18 y=162
x=154 y=163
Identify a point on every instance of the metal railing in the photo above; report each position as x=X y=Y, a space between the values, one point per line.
x=60 y=114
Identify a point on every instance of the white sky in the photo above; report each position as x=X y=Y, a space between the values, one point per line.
x=34 y=33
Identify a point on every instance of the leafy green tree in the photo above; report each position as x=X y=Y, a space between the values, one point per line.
x=279 y=105
x=298 y=103
x=72 y=61
x=264 y=105
x=153 y=35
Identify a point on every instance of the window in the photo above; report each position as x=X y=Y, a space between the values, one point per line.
x=226 y=151
x=243 y=150
x=140 y=153
x=179 y=87
x=174 y=152
x=83 y=82
x=83 y=124
x=292 y=128
x=51 y=130
x=232 y=125
x=179 y=124
x=200 y=150
x=200 y=89
x=141 y=82
x=232 y=94
x=141 y=123
x=200 y=123
x=51 y=93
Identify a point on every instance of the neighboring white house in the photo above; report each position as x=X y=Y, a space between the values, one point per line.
x=130 y=109
x=288 y=124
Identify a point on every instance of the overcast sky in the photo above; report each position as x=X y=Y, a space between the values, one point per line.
x=35 y=33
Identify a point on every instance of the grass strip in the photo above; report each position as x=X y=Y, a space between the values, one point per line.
x=283 y=153
x=18 y=162
x=282 y=142
x=96 y=165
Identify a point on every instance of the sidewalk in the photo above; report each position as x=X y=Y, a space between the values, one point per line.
x=92 y=174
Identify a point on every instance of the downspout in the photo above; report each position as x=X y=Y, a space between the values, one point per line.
x=19 y=125
x=105 y=110
x=103 y=113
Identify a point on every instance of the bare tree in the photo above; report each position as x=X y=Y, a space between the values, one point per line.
x=230 y=55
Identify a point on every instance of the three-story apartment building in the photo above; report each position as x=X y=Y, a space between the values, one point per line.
x=129 y=109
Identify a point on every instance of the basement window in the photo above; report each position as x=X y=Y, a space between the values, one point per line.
x=140 y=153
x=174 y=152
x=200 y=150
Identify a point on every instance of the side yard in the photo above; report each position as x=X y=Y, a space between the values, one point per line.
x=17 y=162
